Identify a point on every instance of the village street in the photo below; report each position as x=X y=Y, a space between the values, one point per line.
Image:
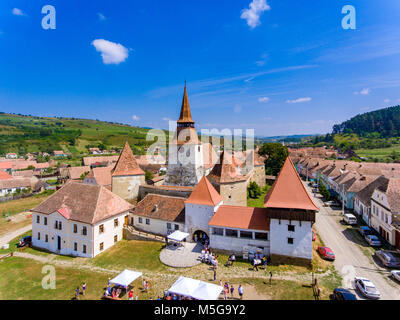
x=350 y=260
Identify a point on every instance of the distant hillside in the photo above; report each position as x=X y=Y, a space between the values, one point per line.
x=23 y=134
x=383 y=123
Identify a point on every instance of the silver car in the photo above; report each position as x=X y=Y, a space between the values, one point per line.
x=395 y=274
x=367 y=288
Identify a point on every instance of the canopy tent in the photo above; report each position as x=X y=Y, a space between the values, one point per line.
x=207 y=291
x=195 y=289
x=125 y=278
x=178 y=235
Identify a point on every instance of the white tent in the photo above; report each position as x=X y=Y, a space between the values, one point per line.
x=125 y=278
x=195 y=289
x=178 y=235
x=207 y=291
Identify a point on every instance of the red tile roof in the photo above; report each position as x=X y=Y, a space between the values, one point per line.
x=288 y=191
x=127 y=164
x=84 y=203
x=4 y=175
x=240 y=218
x=204 y=194
x=226 y=170
x=5 y=165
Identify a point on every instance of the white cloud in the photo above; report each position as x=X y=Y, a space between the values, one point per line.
x=252 y=15
x=263 y=99
x=101 y=16
x=166 y=119
x=135 y=117
x=111 y=52
x=263 y=60
x=299 y=100
x=386 y=100
x=18 y=12
x=364 y=91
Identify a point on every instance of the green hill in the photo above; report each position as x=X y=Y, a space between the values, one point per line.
x=23 y=134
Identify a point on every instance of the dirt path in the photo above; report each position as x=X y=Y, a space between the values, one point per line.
x=13 y=234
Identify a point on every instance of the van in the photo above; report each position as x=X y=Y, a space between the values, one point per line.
x=350 y=219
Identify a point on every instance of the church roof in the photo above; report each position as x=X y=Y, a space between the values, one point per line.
x=204 y=194
x=185 y=116
x=288 y=191
x=127 y=164
x=226 y=170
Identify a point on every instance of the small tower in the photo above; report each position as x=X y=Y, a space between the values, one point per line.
x=200 y=207
x=185 y=155
x=127 y=175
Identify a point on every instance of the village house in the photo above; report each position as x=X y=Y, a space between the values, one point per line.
x=10 y=186
x=385 y=209
x=59 y=154
x=6 y=166
x=79 y=220
x=94 y=151
x=100 y=176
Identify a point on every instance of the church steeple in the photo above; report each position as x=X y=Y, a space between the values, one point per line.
x=185 y=116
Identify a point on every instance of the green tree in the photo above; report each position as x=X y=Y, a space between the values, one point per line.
x=324 y=192
x=148 y=175
x=254 y=190
x=276 y=155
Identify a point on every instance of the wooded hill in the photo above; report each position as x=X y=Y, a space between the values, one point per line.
x=383 y=123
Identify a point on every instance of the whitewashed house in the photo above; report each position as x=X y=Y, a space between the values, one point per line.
x=79 y=220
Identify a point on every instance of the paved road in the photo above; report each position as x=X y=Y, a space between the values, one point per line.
x=350 y=259
x=9 y=236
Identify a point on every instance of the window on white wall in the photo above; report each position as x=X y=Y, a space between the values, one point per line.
x=147 y=221
x=291 y=228
x=231 y=233
x=261 y=236
x=290 y=240
x=169 y=227
x=140 y=220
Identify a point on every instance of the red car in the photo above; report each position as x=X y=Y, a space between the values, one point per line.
x=314 y=237
x=326 y=253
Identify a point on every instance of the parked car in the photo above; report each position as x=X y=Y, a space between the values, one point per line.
x=373 y=240
x=326 y=253
x=25 y=241
x=367 y=288
x=365 y=231
x=390 y=259
x=314 y=236
x=395 y=274
x=343 y=294
x=349 y=219
x=331 y=203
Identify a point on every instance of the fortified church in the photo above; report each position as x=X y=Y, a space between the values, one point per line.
x=205 y=194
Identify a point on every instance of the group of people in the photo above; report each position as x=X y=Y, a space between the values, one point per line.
x=209 y=257
x=230 y=289
x=259 y=261
x=77 y=290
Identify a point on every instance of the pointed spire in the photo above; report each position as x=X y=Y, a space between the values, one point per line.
x=127 y=164
x=185 y=116
x=288 y=191
x=204 y=194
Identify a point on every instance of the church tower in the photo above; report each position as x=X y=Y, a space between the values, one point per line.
x=185 y=155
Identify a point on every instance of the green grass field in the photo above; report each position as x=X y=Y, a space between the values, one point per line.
x=381 y=154
x=259 y=202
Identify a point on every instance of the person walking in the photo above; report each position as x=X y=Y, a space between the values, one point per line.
x=215 y=274
x=144 y=284
x=84 y=288
x=147 y=286
x=232 y=290
x=240 y=290
x=77 y=293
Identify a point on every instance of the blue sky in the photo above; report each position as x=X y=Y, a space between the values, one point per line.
x=283 y=67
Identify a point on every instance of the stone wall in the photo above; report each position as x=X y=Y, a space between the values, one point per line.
x=127 y=187
x=234 y=194
x=147 y=189
x=258 y=175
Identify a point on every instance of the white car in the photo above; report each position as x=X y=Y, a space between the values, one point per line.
x=367 y=288
x=395 y=274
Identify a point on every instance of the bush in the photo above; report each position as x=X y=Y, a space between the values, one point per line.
x=324 y=192
x=253 y=190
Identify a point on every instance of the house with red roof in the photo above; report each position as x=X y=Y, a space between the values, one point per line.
x=79 y=220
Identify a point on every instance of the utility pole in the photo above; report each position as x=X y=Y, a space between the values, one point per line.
x=343 y=200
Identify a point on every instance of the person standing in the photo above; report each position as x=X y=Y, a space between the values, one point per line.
x=83 y=288
x=130 y=294
x=215 y=274
x=144 y=284
x=232 y=290
x=77 y=293
x=240 y=290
